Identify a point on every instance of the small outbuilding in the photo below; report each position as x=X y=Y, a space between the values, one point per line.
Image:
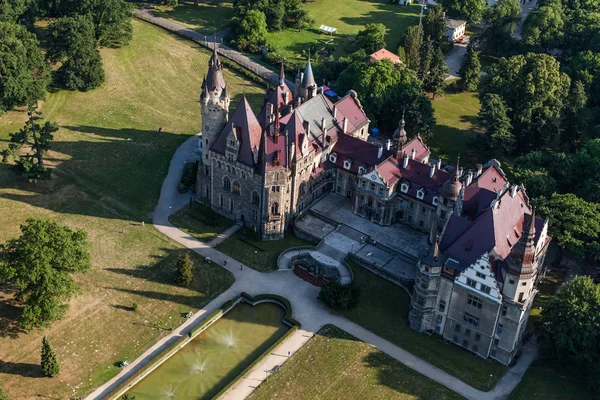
x=383 y=54
x=455 y=29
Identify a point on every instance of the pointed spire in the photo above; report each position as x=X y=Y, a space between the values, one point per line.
x=308 y=79
x=456 y=177
x=520 y=261
x=281 y=75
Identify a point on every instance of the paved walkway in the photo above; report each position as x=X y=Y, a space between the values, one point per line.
x=207 y=41
x=306 y=309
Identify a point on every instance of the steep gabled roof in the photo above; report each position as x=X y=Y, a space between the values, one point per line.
x=491 y=179
x=421 y=149
x=350 y=108
x=359 y=151
x=247 y=131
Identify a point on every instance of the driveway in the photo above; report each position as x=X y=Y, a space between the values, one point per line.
x=455 y=57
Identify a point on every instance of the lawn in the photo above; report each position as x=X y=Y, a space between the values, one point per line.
x=257 y=254
x=383 y=309
x=200 y=222
x=336 y=365
x=456 y=126
x=348 y=17
x=205 y=18
x=107 y=184
x=546 y=380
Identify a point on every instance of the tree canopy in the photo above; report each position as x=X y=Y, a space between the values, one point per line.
x=39 y=264
x=471 y=10
x=413 y=40
x=534 y=90
x=252 y=31
x=543 y=27
x=494 y=119
x=279 y=14
x=372 y=38
x=470 y=70
x=50 y=365
x=500 y=22
x=23 y=71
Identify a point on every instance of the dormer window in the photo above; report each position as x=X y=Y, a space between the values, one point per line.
x=404 y=188
x=361 y=170
x=420 y=194
x=347 y=164
x=435 y=201
x=333 y=157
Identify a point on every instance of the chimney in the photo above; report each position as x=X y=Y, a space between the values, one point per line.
x=285 y=97
x=323 y=122
x=405 y=162
x=439 y=163
x=413 y=153
x=276 y=135
x=379 y=151
x=269 y=109
x=388 y=144
x=513 y=190
x=478 y=171
x=432 y=171
x=469 y=178
x=345 y=125
x=334 y=112
x=460 y=171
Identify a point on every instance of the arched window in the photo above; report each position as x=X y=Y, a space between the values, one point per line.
x=275 y=209
x=255 y=198
x=226 y=183
x=236 y=188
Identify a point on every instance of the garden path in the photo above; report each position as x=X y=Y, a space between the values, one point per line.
x=306 y=309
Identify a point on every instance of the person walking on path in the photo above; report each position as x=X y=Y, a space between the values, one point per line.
x=241 y=267
x=225 y=262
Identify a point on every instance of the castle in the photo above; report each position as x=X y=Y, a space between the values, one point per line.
x=476 y=283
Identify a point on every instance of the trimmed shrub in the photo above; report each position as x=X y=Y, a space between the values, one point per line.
x=184 y=275
x=50 y=365
x=340 y=297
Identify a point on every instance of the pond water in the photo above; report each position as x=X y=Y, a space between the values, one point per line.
x=216 y=356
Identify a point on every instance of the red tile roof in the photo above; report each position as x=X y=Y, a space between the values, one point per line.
x=350 y=108
x=360 y=152
x=491 y=179
x=422 y=151
x=384 y=54
x=247 y=131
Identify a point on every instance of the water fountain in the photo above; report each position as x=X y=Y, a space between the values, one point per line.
x=230 y=339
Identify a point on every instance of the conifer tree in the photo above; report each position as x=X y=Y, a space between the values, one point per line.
x=412 y=47
x=427 y=52
x=185 y=270
x=438 y=72
x=50 y=365
x=470 y=70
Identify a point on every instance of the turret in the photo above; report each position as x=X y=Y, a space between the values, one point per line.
x=306 y=87
x=399 y=138
x=214 y=100
x=450 y=202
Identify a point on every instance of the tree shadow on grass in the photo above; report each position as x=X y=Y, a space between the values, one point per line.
x=10 y=311
x=22 y=369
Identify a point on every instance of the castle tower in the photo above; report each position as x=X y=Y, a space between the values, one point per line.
x=214 y=101
x=399 y=139
x=520 y=266
x=306 y=87
x=448 y=203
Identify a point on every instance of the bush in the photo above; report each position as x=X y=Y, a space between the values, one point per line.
x=188 y=177
x=129 y=396
x=185 y=270
x=135 y=306
x=50 y=365
x=340 y=297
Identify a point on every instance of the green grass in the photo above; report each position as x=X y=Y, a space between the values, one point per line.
x=383 y=309
x=200 y=222
x=348 y=17
x=205 y=18
x=336 y=365
x=257 y=254
x=107 y=185
x=456 y=126
x=546 y=380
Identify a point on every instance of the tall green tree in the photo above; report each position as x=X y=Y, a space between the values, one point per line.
x=574 y=224
x=19 y=11
x=427 y=55
x=252 y=31
x=494 y=119
x=434 y=82
x=568 y=330
x=500 y=22
x=372 y=38
x=470 y=70
x=434 y=24
x=35 y=138
x=413 y=40
x=184 y=273
x=73 y=44
x=278 y=13
x=40 y=264
x=543 y=27
x=23 y=71
x=585 y=67
x=50 y=365
x=471 y=10
x=534 y=90
x=576 y=122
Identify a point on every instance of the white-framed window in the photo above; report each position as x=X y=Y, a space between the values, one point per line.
x=420 y=194
x=404 y=188
x=347 y=164
x=361 y=170
x=333 y=157
x=435 y=201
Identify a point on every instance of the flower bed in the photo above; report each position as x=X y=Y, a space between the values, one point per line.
x=309 y=277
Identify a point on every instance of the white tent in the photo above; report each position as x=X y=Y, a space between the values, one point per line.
x=327 y=29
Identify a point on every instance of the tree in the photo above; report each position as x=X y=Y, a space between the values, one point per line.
x=340 y=297
x=252 y=31
x=470 y=70
x=539 y=183
x=574 y=223
x=50 y=365
x=184 y=275
x=413 y=40
x=575 y=125
x=427 y=54
x=585 y=67
x=111 y=19
x=434 y=24
x=19 y=11
x=2 y=395
x=34 y=137
x=382 y=87
x=278 y=13
x=128 y=396
x=372 y=38
x=471 y=10
x=434 y=82
x=534 y=90
x=73 y=44
x=500 y=22
x=543 y=27
x=23 y=72
x=40 y=264
x=568 y=329
x=493 y=118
